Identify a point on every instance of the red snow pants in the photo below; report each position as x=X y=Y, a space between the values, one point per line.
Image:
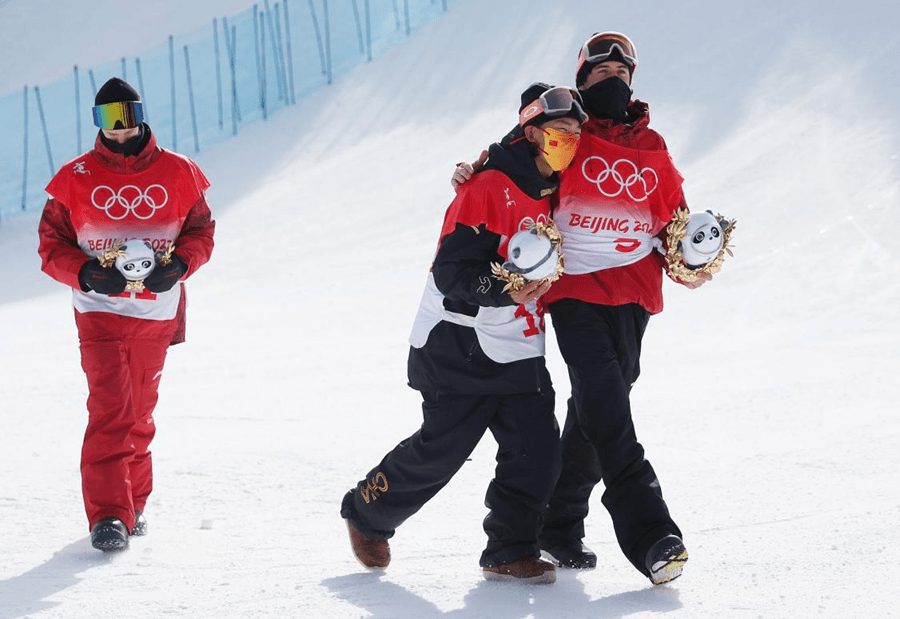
x=123 y=359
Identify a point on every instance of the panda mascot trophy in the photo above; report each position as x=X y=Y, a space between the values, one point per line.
x=533 y=255
x=697 y=243
x=135 y=259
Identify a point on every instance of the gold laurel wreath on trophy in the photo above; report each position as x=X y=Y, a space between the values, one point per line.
x=108 y=257
x=677 y=230
x=515 y=281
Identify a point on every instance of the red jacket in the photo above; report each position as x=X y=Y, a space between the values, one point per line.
x=604 y=189
x=101 y=197
x=469 y=336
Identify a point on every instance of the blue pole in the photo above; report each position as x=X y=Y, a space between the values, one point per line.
x=281 y=61
x=277 y=67
x=259 y=78
x=312 y=12
x=187 y=66
x=396 y=15
x=290 y=54
x=444 y=2
x=234 y=88
x=93 y=83
x=262 y=61
x=77 y=112
x=218 y=72
x=137 y=64
x=37 y=94
x=230 y=43
x=368 y=33
x=172 y=82
x=25 y=152
x=124 y=72
x=358 y=27
x=406 y=12
x=327 y=40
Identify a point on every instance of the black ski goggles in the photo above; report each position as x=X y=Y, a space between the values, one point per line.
x=556 y=102
x=601 y=46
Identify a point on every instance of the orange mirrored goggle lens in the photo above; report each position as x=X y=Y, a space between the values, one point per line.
x=124 y=115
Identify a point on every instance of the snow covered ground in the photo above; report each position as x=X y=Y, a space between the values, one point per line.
x=768 y=400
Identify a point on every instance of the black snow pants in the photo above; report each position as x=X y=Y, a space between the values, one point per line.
x=527 y=436
x=601 y=346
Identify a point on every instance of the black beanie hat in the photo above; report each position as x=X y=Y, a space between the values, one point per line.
x=531 y=94
x=116 y=90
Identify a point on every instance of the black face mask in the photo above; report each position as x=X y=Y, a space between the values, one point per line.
x=608 y=99
x=130 y=148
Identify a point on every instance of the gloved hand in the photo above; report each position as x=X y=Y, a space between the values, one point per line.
x=164 y=278
x=100 y=279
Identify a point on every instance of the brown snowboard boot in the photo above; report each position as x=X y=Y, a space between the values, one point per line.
x=529 y=569
x=370 y=552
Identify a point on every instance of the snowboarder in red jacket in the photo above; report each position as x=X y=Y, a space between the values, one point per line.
x=125 y=190
x=615 y=202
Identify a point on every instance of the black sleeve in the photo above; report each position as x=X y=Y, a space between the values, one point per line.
x=462 y=267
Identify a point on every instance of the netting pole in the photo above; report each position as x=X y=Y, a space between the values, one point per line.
x=259 y=78
x=93 y=83
x=406 y=13
x=77 y=112
x=277 y=65
x=137 y=65
x=25 y=152
x=312 y=12
x=396 y=15
x=187 y=66
x=368 y=33
x=290 y=54
x=37 y=94
x=327 y=41
x=124 y=72
x=358 y=26
x=172 y=82
x=219 y=69
x=281 y=61
x=262 y=60
x=230 y=44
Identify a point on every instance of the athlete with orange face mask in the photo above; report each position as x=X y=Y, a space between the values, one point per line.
x=477 y=354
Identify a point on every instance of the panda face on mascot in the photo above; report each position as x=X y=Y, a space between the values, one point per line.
x=703 y=240
x=137 y=260
x=532 y=255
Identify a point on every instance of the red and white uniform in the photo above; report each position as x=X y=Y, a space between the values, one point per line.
x=616 y=198
x=95 y=200
x=469 y=336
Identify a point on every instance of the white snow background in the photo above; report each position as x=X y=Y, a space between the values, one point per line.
x=768 y=401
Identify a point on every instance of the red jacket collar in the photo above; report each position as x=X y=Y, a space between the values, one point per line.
x=638 y=114
x=117 y=162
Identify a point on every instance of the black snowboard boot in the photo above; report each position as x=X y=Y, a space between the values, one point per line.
x=666 y=559
x=140 y=524
x=574 y=555
x=109 y=535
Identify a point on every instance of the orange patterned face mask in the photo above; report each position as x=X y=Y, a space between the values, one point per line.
x=559 y=148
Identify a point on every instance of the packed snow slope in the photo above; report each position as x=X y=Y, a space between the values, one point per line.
x=767 y=402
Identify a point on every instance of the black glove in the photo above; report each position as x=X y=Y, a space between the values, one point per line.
x=164 y=278
x=93 y=276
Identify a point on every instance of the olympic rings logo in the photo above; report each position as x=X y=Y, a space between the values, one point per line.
x=623 y=175
x=130 y=199
x=528 y=223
